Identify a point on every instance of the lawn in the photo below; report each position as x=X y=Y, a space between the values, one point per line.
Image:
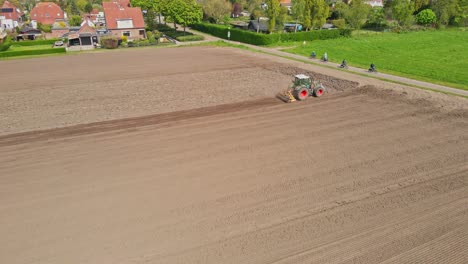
x=434 y=56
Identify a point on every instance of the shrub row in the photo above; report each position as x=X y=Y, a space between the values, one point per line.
x=163 y=28
x=36 y=42
x=190 y=38
x=176 y=34
x=6 y=44
x=267 y=39
x=31 y=52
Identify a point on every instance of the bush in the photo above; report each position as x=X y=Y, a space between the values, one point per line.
x=157 y=34
x=36 y=42
x=164 y=28
x=190 y=38
x=267 y=39
x=44 y=28
x=5 y=45
x=339 y=23
x=124 y=39
x=109 y=42
x=31 y=52
x=425 y=17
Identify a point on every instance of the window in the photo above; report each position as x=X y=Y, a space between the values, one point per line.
x=142 y=32
x=124 y=23
x=126 y=33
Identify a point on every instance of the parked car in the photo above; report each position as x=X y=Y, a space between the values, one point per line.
x=58 y=44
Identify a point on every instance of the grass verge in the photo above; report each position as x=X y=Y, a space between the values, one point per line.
x=436 y=56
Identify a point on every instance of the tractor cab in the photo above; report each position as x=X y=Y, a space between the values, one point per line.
x=302 y=80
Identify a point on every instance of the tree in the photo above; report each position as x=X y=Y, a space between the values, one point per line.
x=183 y=12
x=425 y=17
x=462 y=18
x=319 y=12
x=357 y=14
x=75 y=21
x=216 y=9
x=88 y=8
x=377 y=18
x=81 y=5
x=307 y=16
x=254 y=7
x=73 y=8
x=282 y=18
x=402 y=11
x=419 y=4
x=152 y=7
x=272 y=12
x=445 y=10
x=298 y=9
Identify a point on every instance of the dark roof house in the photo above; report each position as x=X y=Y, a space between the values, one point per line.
x=261 y=26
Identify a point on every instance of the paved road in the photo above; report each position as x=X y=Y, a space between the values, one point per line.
x=388 y=77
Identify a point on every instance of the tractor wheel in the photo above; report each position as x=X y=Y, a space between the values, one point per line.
x=319 y=91
x=302 y=94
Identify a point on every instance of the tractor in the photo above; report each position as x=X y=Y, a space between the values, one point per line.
x=301 y=88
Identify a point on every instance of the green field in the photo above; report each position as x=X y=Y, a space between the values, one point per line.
x=434 y=56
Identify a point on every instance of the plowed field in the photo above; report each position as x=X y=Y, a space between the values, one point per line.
x=362 y=175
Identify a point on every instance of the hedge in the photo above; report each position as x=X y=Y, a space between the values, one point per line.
x=267 y=39
x=35 y=42
x=31 y=52
x=5 y=45
x=176 y=34
x=190 y=38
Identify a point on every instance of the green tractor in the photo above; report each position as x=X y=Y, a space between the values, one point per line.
x=301 y=88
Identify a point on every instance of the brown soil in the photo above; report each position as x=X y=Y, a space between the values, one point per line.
x=363 y=175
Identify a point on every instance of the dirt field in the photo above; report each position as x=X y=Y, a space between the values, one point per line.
x=361 y=175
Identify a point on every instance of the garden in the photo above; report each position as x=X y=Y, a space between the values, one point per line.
x=28 y=48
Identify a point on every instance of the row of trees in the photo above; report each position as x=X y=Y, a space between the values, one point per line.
x=182 y=12
x=403 y=12
x=313 y=14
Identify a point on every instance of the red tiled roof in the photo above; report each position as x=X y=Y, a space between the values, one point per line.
x=86 y=29
x=114 y=11
x=46 y=13
x=15 y=15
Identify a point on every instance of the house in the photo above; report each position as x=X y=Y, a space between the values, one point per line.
x=59 y=28
x=240 y=25
x=3 y=35
x=10 y=16
x=256 y=25
x=28 y=33
x=375 y=3
x=85 y=38
x=123 y=20
x=286 y=3
x=87 y=21
x=97 y=17
x=46 y=13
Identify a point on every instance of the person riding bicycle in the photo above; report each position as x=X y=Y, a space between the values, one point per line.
x=313 y=55
x=372 y=68
x=344 y=64
x=325 y=57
